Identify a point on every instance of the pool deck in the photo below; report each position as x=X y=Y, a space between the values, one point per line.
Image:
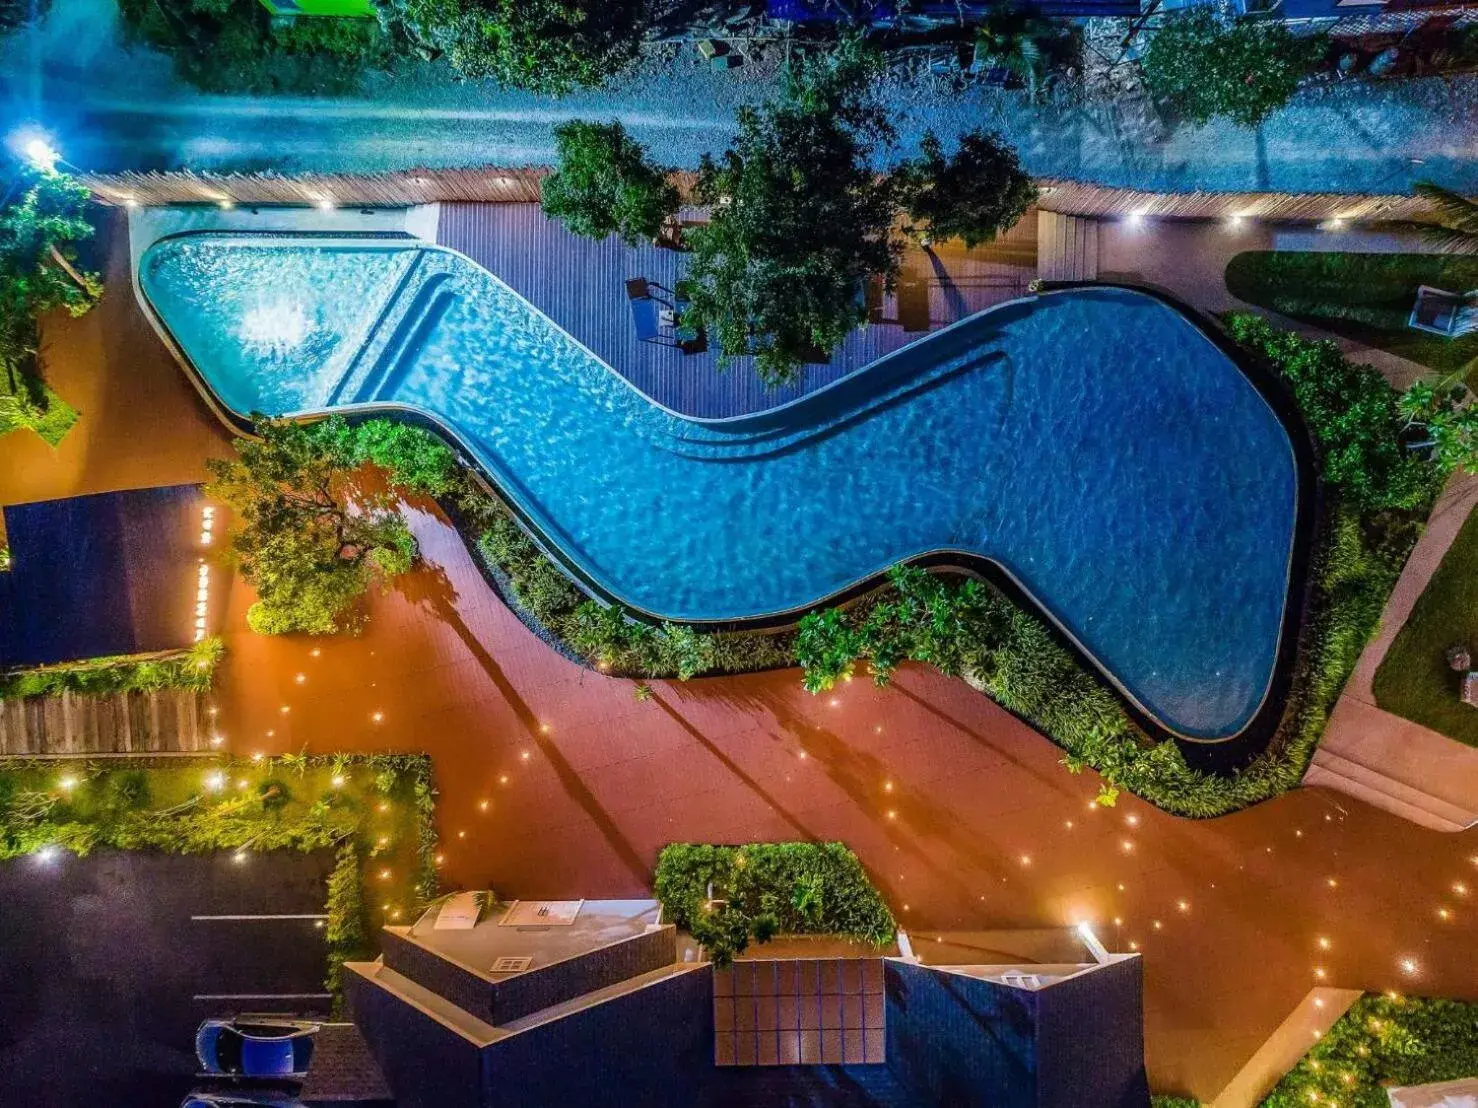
x=581 y=285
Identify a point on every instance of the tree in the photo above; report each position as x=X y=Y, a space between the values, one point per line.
x=1017 y=42
x=799 y=220
x=1205 y=66
x=309 y=540
x=974 y=195
x=1457 y=217
x=237 y=46
x=605 y=185
x=38 y=235
x=551 y=46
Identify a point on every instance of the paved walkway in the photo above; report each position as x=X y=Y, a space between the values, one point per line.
x=556 y=782
x=111 y=108
x=1368 y=752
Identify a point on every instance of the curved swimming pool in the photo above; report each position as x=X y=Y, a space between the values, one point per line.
x=1093 y=443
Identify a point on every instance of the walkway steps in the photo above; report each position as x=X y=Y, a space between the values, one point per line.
x=1378 y=788
x=1067 y=247
x=163 y=721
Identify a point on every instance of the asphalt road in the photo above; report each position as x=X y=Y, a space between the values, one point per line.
x=104 y=974
x=110 y=107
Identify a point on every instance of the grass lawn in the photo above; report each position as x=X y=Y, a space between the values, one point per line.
x=34 y=405
x=1414 y=681
x=1364 y=297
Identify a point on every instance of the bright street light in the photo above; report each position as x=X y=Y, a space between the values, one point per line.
x=41 y=155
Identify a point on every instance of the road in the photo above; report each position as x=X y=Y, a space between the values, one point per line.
x=110 y=107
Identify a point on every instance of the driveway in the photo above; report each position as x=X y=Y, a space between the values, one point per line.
x=111 y=108
x=108 y=963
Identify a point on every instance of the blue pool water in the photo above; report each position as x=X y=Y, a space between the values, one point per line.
x=1094 y=443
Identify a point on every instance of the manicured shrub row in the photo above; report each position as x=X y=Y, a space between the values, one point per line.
x=371 y=809
x=764 y=889
x=1383 y=1041
x=184 y=669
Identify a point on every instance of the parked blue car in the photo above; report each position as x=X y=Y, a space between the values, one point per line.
x=256 y=1048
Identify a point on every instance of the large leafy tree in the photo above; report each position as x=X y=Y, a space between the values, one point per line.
x=1205 y=66
x=973 y=195
x=549 y=46
x=799 y=220
x=237 y=46
x=605 y=185
x=39 y=230
x=311 y=538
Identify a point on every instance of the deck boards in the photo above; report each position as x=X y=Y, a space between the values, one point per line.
x=581 y=286
x=164 y=721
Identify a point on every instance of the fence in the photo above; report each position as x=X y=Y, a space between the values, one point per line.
x=491 y=184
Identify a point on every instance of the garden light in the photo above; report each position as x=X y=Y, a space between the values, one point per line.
x=47 y=854
x=67 y=783
x=338 y=781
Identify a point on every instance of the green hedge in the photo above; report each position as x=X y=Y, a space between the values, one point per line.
x=1383 y=1041
x=193 y=668
x=373 y=810
x=769 y=889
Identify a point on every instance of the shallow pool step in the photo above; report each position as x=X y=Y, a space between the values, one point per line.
x=431 y=303
x=380 y=332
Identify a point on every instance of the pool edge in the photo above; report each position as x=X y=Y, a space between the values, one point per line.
x=1252 y=736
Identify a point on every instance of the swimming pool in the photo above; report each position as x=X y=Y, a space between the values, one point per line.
x=1093 y=443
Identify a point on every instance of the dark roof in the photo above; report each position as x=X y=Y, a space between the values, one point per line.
x=90 y=576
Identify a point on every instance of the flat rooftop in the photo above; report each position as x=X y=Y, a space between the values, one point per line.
x=596 y=924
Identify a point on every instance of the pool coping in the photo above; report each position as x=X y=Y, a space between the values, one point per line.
x=1250 y=738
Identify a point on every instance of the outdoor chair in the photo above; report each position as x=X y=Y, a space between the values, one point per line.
x=1444 y=313
x=656 y=311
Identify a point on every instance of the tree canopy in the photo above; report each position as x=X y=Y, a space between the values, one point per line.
x=972 y=195
x=605 y=185
x=1205 y=66
x=38 y=236
x=799 y=219
x=551 y=46
x=309 y=538
x=39 y=230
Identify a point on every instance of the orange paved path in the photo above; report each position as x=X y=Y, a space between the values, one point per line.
x=961 y=812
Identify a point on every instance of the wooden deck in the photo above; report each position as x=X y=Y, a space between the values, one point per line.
x=167 y=721
x=581 y=285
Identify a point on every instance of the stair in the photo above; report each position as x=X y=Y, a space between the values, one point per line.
x=1344 y=774
x=1067 y=247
